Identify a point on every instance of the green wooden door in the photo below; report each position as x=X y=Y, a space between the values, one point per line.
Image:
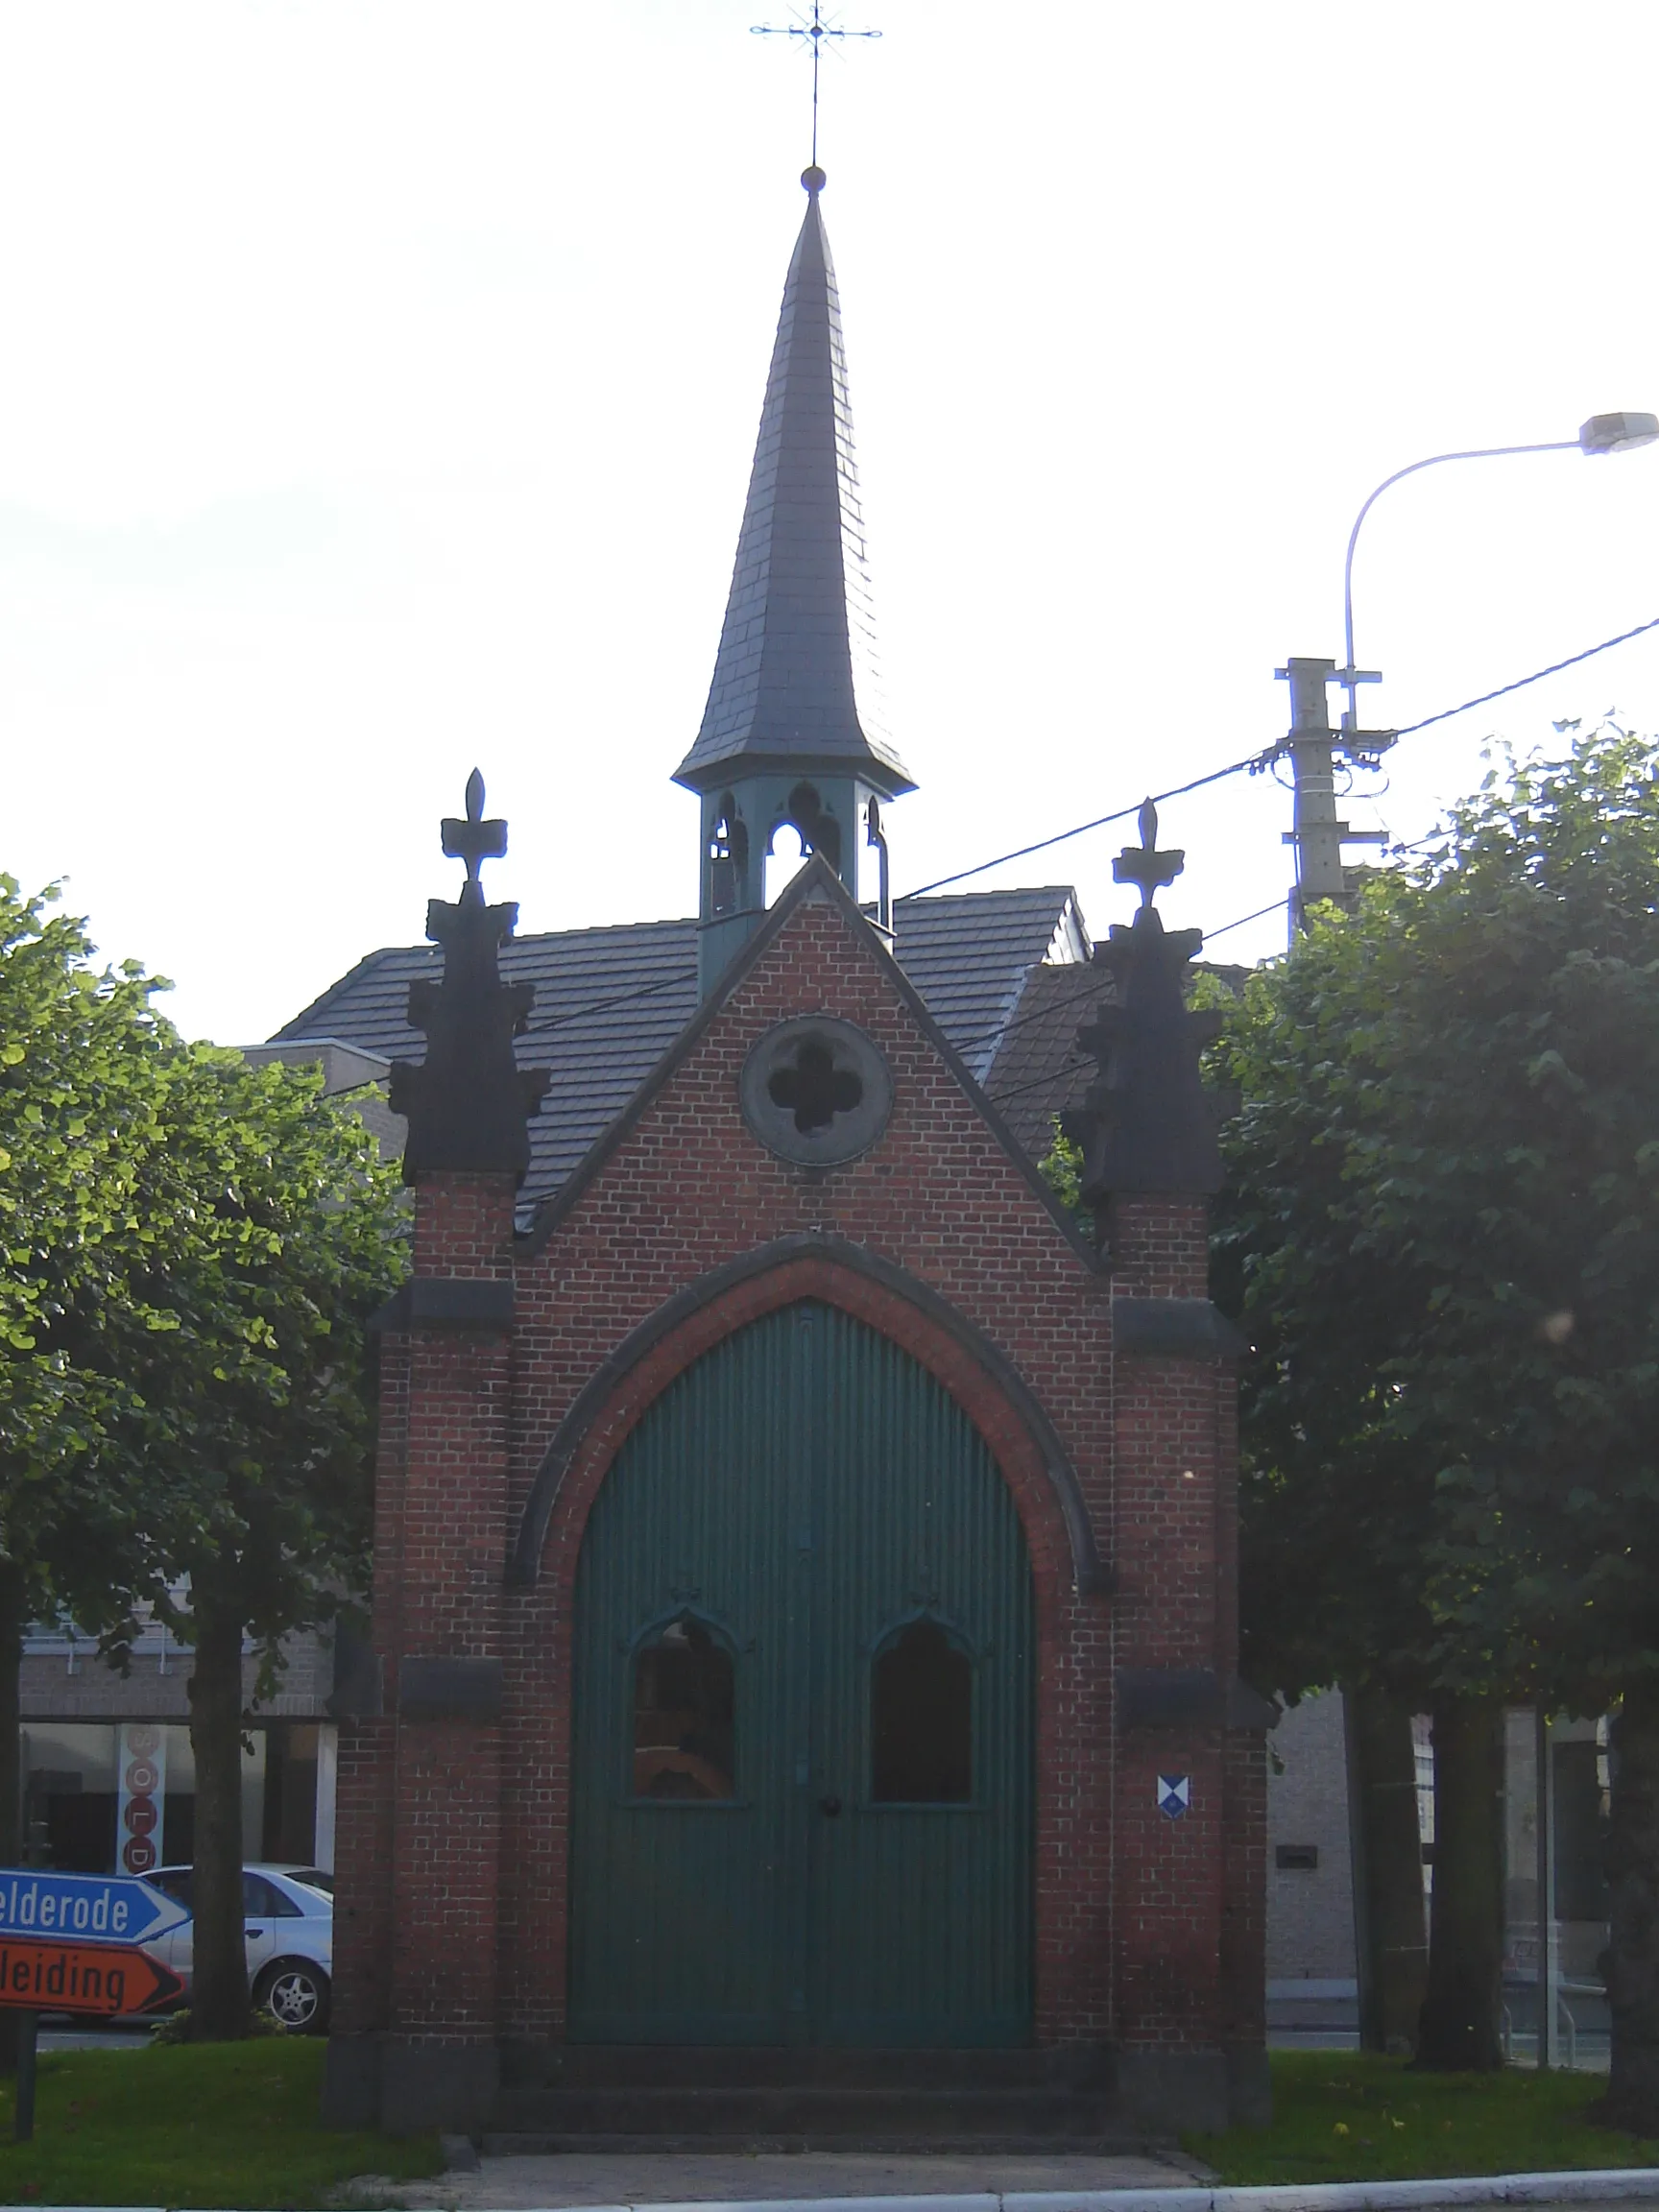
x=801 y=1785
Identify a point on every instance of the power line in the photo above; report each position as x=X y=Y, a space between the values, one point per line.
x=1049 y=1082
x=1210 y=935
x=1255 y=760
x=1037 y=1012
x=1075 y=999
x=1521 y=683
x=681 y=976
x=668 y=982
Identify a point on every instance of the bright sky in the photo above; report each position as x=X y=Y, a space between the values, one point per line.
x=381 y=376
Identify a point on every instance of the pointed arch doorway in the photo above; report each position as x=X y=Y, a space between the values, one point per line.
x=802 y=1741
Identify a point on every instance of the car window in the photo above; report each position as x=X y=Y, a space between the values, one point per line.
x=173 y=1881
x=314 y=1878
x=262 y=1900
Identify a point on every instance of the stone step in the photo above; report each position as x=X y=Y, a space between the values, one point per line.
x=806 y=2113
x=715 y=2066
x=921 y=2144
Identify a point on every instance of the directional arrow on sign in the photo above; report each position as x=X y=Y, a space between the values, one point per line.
x=83 y=1908
x=108 y=1978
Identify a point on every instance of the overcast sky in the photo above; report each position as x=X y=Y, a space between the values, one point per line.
x=380 y=380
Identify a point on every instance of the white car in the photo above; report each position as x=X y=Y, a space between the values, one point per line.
x=288 y=1925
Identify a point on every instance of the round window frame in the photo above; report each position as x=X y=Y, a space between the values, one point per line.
x=849 y=1135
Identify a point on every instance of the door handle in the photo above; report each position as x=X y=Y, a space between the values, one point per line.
x=830 y=1807
x=251 y=1934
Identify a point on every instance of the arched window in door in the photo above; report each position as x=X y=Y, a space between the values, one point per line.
x=683 y=1696
x=921 y=1720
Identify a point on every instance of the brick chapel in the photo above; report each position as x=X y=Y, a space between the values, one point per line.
x=800 y=1701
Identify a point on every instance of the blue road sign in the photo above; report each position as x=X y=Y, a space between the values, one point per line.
x=84 y=1907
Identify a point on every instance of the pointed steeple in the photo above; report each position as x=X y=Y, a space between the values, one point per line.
x=791 y=733
x=794 y=680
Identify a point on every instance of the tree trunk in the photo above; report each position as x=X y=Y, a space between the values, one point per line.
x=1458 y=2033
x=1631 y=1963
x=12 y=1840
x=1389 y=1917
x=218 y=1975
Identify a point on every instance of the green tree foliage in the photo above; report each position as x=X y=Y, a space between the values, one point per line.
x=286 y=1233
x=189 y=1251
x=1440 y=1230
x=81 y=1125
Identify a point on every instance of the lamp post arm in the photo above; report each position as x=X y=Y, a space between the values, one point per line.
x=1434 y=461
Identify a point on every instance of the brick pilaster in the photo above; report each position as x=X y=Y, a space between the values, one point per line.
x=445 y=1870
x=1176 y=1475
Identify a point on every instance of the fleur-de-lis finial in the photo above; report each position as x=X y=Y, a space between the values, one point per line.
x=474 y=840
x=1143 y=864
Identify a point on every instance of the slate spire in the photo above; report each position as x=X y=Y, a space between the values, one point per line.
x=469 y=1101
x=794 y=679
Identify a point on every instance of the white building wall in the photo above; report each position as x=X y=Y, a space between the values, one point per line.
x=1310 y=1909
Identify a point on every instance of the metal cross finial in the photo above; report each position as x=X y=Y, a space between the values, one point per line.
x=815 y=33
x=474 y=840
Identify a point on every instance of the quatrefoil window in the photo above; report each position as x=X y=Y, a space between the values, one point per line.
x=816 y=1090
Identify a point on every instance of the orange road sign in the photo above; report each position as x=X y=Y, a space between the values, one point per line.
x=103 y=1977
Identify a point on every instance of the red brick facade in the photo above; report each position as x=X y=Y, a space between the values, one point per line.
x=451 y=1927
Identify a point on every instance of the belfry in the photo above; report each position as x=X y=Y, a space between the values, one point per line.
x=801 y=1697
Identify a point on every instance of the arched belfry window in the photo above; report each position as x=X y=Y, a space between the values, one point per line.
x=922 y=1718
x=727 y=858
x=684 y=1696
x=804 y=822
x=813 y=823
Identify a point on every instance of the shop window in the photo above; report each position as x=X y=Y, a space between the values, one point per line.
x=289 y=1836
x=684 y=1694
x=69 y=1796
x=1580 y=1832
x=921 y=1720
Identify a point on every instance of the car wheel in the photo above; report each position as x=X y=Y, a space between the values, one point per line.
x=294 y=1992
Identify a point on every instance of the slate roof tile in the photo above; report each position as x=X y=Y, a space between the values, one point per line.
x=609 y=1003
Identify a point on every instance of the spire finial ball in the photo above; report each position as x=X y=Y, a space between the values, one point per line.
x=814 y=180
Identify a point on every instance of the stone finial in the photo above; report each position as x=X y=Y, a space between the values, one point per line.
x=1142 y=864
x=468 y=1102
x=1146 y=1123
x=474 y=840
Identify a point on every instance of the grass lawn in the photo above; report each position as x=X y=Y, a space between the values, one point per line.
x=230 y=2124
x=1341 y=2116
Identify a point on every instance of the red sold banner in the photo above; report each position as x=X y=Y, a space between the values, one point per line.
x=143 y=1783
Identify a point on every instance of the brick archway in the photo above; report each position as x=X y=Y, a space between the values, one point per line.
x=1030 y=1463
x=977 y=1374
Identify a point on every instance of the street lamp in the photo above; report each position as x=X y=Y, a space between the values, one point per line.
x=1621 y=433
x=1317 y=834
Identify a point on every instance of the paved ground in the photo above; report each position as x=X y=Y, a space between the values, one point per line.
x=653 y=2177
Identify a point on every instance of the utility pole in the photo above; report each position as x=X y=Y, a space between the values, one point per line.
x=1319 y=833
x=1312 y=745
